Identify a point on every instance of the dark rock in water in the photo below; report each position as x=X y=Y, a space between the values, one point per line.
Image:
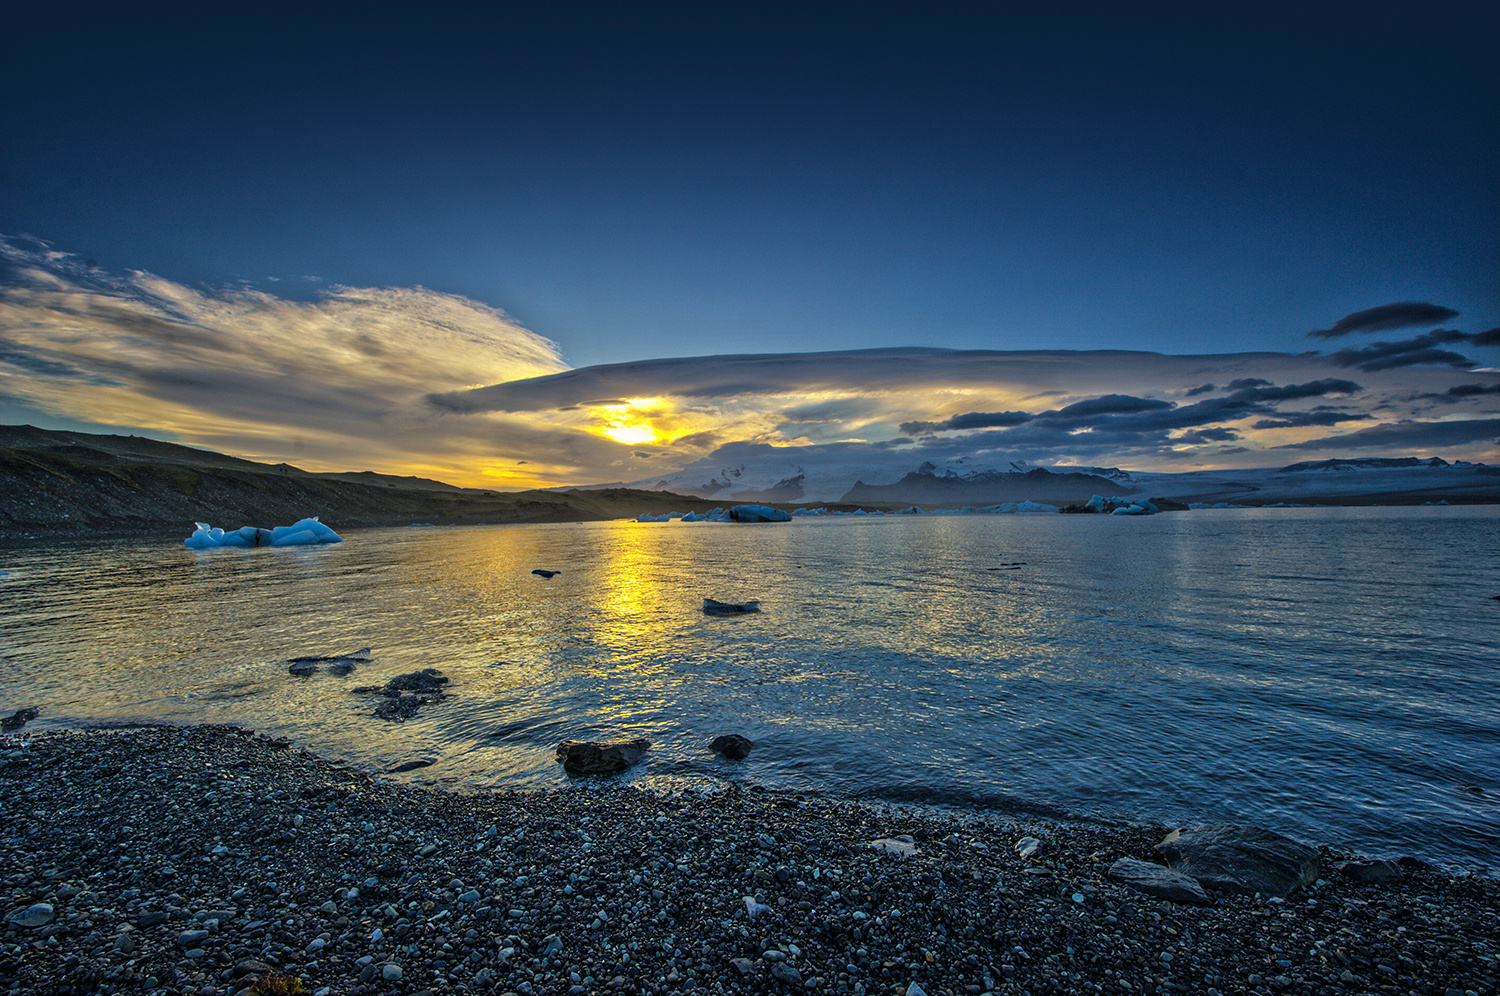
x=546 y=574
x=425 y=686
x=1414 y=864
x=732 y=746
x=717 y=608
x=337 y=664
x=19 y=718
x=427 y=680
x=1242 y=859
x=409 y=766
x=1154 y=880
x=1368 y=872
x=591 y=757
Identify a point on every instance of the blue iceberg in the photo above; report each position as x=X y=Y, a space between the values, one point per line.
x=305 y=532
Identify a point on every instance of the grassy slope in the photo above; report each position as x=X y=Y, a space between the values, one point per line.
x=72 y=482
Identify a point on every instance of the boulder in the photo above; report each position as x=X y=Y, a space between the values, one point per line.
x=19 y=718
x=591 y=757
x=732 y=746
x=1244 y=859
x=1154 y=880
x=1367 y=872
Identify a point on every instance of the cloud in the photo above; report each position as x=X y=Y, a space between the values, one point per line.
x=1490 y=337
x=407 y=380
x=968 y=420
x=1199 y=436
x=1399 y=315
x=1421 y=351
x=1298 y=420
x=248 y=371
x=1408 y=435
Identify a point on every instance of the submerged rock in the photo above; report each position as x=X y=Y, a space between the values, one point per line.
x=592 y=757
x=1244 y=859
x=1154 y=880
x=546 y=574
x=732 y=746
x=425 y=687
x=336 y=664
x=716 y=608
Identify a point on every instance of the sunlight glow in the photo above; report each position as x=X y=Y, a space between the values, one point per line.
x=626 y=423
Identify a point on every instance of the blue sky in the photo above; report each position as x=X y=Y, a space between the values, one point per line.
x=649 y=181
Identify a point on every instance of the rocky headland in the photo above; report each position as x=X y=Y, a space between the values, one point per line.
x=212 y=860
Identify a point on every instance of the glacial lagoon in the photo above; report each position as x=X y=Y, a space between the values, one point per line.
x=1331 y=673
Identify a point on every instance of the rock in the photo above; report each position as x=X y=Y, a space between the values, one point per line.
x=191 y=938
x=732 y=746
x=36 y=915
x=901 y=846
x=1154 y=880
x=1028 y=848
x=546 y=574
x=915 y=990
x=412 y=765
x=754 y=909
x=19 y=718
x=1243 y=859
x=1366 y=872
x=743 y=965
x=336 y=664
x=390 y=972
x=786 y=973
x=591 y=757
x=250 y=966
x=717 y=608
x=425 y=685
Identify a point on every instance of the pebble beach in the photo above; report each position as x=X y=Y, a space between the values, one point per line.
x=214 y=860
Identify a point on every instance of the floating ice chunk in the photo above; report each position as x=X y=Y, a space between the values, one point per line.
x=663 y=517
x=754 y=909
x=305 y=532
x=758 y=513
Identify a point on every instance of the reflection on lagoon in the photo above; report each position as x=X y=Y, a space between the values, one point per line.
x=1229 y=664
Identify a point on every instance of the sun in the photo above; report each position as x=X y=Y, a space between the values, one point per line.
x=625 y=423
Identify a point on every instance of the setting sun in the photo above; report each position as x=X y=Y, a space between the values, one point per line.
x=626 y=423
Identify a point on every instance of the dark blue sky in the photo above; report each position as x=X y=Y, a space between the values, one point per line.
x=647 y=180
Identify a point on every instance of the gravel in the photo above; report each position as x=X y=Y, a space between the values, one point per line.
x=199 y=860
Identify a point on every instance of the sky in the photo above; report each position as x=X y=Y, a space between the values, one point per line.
x=580 y=243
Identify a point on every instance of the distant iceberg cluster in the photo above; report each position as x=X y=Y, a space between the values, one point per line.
x=739 y=513
x=306 y=532
x=1120 y=506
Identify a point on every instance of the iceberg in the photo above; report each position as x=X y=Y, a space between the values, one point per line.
x=663 y=517
x=758 y=513
x=305 y=532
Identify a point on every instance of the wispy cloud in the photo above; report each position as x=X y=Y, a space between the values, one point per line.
x=1421 y=351
x=337 y=380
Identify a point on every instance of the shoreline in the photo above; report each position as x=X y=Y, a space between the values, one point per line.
x=198 y=859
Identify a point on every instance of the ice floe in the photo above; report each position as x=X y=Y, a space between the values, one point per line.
x=305 y=532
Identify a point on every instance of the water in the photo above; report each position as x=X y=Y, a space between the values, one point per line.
x=1327 y=672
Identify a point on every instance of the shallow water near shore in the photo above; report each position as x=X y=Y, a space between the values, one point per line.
x=1330 y=673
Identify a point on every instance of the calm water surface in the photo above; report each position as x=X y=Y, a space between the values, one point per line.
x=1328 y=672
